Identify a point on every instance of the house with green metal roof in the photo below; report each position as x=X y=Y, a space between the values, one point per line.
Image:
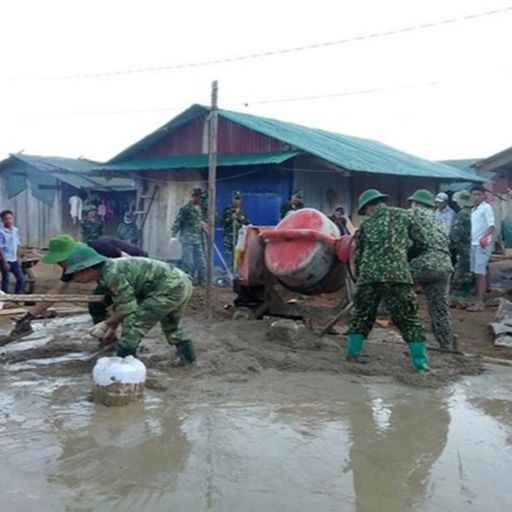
x=38 y=189
x=265 y=159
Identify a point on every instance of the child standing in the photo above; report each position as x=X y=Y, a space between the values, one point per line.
x=10 y=252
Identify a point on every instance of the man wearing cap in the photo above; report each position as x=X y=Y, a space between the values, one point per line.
x=128 y=230
x=382 y=273
x=432 y=269
x=190 y=223
x=233 y=218
x=295 y=203
x=91 y=228
x=460 y=244
x=144 y=292
x=59 y=249
x=444 y=212
x=482 y=229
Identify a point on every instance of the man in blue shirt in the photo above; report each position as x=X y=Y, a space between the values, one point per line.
x=10 y=252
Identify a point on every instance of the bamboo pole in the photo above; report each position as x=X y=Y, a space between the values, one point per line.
x=212 y=178
x=43 y=297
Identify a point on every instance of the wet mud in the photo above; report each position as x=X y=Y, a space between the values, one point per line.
x=238 y=350
x=261 y=423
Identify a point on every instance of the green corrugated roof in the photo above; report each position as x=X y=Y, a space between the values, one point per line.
x=198 y=161
x=352 y=153
x=76 y=172
x=465 y=165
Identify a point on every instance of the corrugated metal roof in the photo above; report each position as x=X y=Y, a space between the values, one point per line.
x=198 y=161
x=466 y=165
x=352 y=153
x=76 y=172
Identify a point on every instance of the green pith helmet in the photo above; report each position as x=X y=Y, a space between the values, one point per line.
x=83 y=257
x=59 y=249
x=423 y=196
x=297 y=193
x=197 y=192
x=368 y=196
x=236 y=194
x=463 y=198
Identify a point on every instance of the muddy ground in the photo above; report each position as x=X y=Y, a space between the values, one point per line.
x=236 y=350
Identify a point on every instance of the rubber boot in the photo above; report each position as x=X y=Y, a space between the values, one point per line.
x=186 y=353
x=355 y=346
x=419 y=355
x=122 y=351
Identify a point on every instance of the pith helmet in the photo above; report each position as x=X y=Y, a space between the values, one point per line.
x=423 y=196
x=59 y=249
x=369 y=195
x=83 y=257
x=197 y=192
x=236 y=194
x=462 y=198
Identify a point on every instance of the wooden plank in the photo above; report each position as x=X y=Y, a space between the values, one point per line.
x=44 y=297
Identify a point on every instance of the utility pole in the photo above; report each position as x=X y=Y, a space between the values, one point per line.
x=212 y=193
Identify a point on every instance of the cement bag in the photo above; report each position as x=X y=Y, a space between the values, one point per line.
x=118 y=381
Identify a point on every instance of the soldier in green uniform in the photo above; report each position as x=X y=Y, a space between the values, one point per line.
x=432 y=269
x=190 y=223
x=382 y=273
x=460 y=244
x=144 y=292
x=128 y=230
x=233 y=218
x=91 y=228
x=295 y=203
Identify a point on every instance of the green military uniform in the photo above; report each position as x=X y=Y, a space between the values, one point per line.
x=188 y=224
x=147 y=291
x=433 y=269
x=129 y=232
x=91 y=229
x=460 y=244
x=383 y=274
x=144 y=291
x=232 y=220
x=289 y=207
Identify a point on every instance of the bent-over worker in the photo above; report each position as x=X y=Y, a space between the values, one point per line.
x=59 y=249
x=432 y=269
x=144 y=292
x=382 y=273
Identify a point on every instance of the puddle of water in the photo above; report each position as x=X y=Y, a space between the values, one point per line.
x=377 y=447
x=30 y=364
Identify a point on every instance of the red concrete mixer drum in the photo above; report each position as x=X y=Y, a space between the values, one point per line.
x=301 y=251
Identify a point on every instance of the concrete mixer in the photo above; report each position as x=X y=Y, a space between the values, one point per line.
x=304 y=254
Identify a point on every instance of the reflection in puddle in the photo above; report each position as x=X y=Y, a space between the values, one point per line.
x=378 y=447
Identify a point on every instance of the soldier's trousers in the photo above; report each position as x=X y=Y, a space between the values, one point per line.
x=166 y=306
x=436 y=286
x=463 y=279
x=401 y=301
x=98 y=310
x=194 y=262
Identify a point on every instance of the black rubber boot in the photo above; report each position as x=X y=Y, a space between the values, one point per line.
x=125 y=351
x=186 y=353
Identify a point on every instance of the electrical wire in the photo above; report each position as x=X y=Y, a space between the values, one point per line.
x=282 y=51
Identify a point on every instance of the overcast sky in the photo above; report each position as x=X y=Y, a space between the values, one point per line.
x=440 y=93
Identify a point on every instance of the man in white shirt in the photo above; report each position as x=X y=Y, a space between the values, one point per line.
x=444 y=212
x=10 y=252
x=482 y=228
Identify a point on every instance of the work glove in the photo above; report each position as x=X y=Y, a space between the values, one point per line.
x=100 y=330
x=485 y=241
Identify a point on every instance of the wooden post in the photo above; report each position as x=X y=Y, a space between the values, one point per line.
x=212 y=178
